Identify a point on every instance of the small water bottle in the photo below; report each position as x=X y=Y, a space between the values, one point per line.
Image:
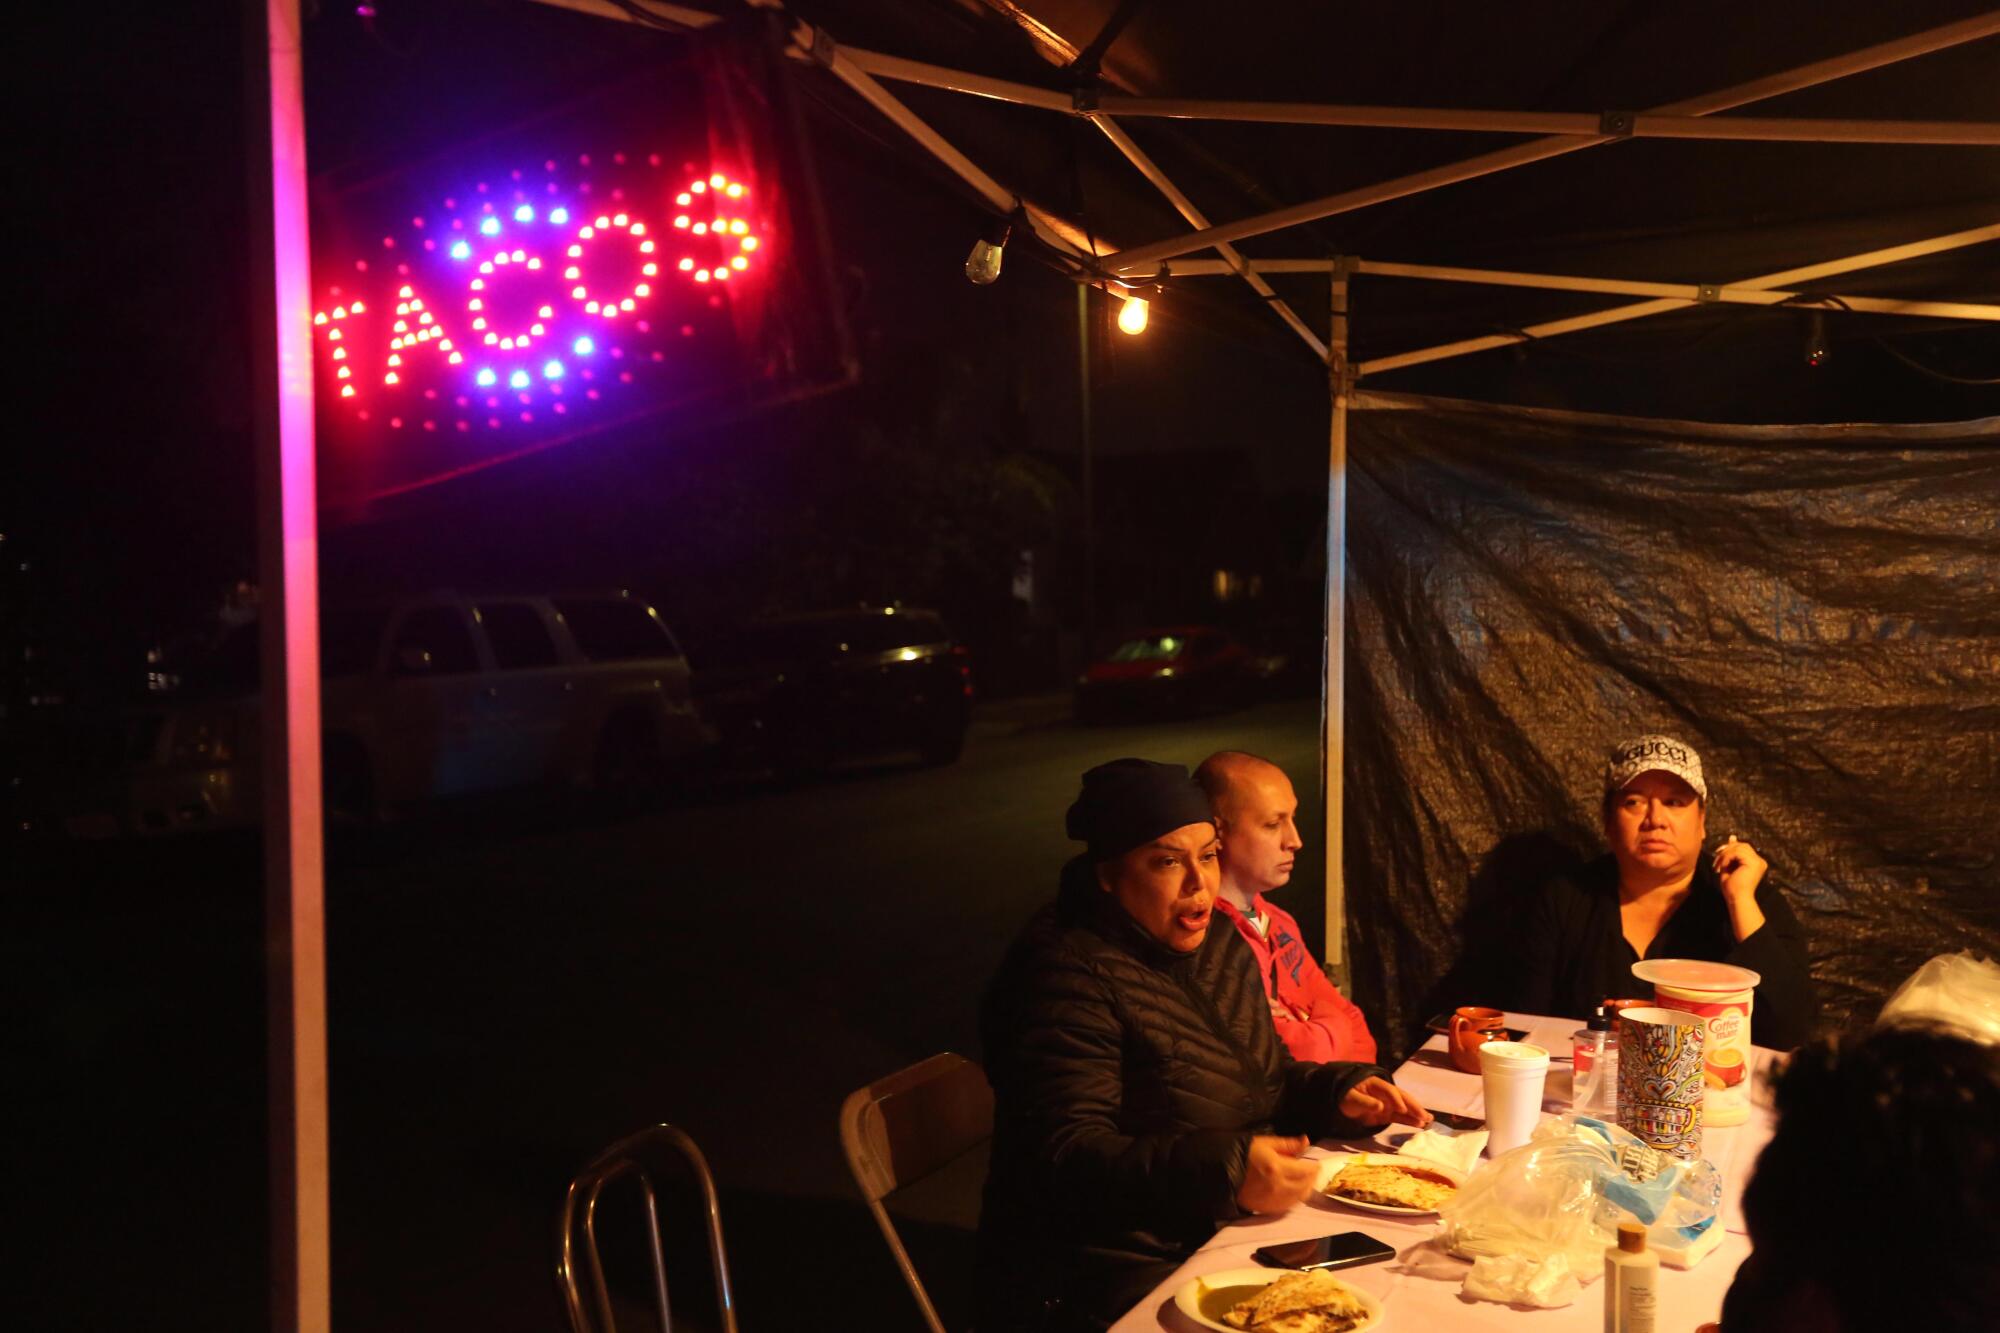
x=1594 y=1065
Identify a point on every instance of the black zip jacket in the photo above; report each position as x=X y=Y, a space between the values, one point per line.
x=1572 y=953
x=1129 y=1080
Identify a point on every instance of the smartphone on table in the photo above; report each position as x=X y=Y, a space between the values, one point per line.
x=1346 y=1250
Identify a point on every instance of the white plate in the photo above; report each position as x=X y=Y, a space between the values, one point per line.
x=1334 y=1163
x=1188 y=1299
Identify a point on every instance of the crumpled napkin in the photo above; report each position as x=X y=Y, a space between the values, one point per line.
x=1458 y=1149
x=1516 y=1279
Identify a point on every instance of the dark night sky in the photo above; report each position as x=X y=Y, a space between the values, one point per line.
x=138 y=425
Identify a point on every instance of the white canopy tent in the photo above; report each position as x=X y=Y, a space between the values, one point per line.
x=288 y=546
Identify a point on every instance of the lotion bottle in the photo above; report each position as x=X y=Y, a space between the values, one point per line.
x=1631 y=1282
x=1591 y=1060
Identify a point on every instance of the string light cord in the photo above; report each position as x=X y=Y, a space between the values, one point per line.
x=1089 y=269
x=1932 y=372
x=1802 y=301
x=1732 y=317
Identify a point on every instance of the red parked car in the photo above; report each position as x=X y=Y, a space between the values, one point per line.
x=1187 y=668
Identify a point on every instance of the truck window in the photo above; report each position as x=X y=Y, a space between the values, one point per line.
x=434 y=642
x=520 y=640
x=616 y=631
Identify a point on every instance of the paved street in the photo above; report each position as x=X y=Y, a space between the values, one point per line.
x=513 y=990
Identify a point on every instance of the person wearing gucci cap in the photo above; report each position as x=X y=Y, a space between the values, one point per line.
x=1660 y=894
x=1141 y=1096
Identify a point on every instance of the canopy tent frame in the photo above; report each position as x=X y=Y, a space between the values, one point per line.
x=1692 y=292
x=1150 y=264
x=1146 y=264
x=1140 y=258
x=1233 y=260
x=288 y=547
x=1619 y=124
x=1670 y=296
x=1623 y=124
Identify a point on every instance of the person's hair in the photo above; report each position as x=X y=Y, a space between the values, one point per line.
x=1217 y=774
x=1881 y=1185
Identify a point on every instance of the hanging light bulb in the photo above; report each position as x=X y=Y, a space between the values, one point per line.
x=1132 y=316
x=983 y=264
x=1816 y=349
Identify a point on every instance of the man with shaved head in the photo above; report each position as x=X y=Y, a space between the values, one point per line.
x=1256 y=814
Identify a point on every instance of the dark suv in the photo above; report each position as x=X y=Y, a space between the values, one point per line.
x=797 y=692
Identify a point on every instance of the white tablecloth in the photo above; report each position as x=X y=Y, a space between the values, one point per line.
x=1420 y=1287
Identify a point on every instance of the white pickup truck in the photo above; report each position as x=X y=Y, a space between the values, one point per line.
x=441 y=695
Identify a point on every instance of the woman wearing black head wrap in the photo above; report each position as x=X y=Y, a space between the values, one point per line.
x=1143 y=1097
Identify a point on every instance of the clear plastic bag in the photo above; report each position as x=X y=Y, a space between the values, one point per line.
x=1960 y=990
x=1565 y=1190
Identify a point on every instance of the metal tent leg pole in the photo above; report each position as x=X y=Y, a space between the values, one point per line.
x=1089 y=507
x=288 y=579
x=1334 y=697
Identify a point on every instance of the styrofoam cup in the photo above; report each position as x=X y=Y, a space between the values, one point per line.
x=1512 y=1073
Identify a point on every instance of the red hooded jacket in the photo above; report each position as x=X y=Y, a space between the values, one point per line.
x=1331 y=1028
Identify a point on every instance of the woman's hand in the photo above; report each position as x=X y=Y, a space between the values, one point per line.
x=1377 y=1101
x=1740 y=870
x=1275 y=1176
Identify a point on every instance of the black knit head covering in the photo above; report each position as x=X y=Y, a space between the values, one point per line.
x=1129 y=802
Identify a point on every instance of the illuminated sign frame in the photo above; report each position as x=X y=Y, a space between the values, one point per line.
x=514 y=306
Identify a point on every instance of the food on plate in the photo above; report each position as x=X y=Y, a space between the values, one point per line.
x=1311 y=1302
x=1394 y=1186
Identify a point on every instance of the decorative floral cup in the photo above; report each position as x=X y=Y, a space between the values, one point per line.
x=1660 y=1078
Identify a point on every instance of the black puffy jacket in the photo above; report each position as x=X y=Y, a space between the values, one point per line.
x=1129 y=1080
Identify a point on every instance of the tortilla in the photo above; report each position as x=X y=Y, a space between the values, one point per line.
x=1309 y=1302
x=1392 y=1186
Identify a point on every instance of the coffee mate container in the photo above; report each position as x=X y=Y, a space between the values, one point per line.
x=1721 y=994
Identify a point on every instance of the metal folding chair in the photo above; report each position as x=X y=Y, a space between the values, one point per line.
x=907 y=1127
x=633 y=1156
